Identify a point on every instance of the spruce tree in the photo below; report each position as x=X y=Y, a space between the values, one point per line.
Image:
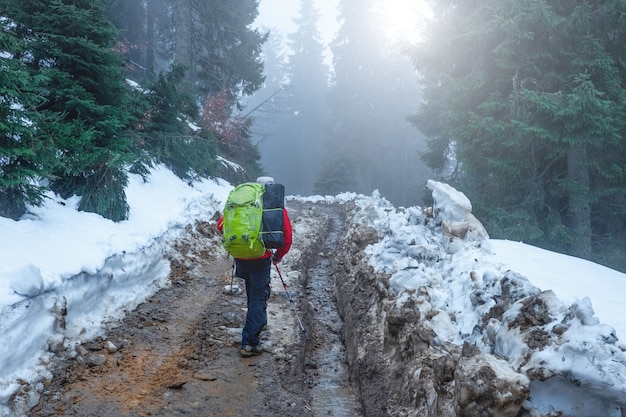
x=25 y=154
x=211 y=44
x=73 y=43
x=213 y=39
x=529 y=104
x=131 y=18
x=220 y=52
x=228 y=50
x=165 y=132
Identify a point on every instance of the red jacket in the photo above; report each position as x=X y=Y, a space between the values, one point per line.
x=287 y=232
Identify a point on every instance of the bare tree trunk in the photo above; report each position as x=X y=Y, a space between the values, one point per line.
x=151 y=34
x=579 y=202
x=183 y=26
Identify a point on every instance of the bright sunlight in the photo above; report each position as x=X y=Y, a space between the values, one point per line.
x=400 y=19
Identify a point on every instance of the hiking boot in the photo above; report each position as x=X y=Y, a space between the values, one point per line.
x=247 y=351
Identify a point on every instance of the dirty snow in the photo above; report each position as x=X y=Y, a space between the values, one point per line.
x=57 y=258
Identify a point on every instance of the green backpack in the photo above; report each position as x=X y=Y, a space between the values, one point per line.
x=243 y=213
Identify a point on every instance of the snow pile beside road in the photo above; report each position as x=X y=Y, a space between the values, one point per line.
x=435 y=323
x=67 y=274
x=441 y=299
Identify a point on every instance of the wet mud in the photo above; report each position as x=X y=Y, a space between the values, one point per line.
x=177 y=354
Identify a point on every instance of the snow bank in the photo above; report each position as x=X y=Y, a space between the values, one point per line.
x=66 y=274
x=575 y=362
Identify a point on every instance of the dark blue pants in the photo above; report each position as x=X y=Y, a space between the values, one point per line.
x=256 y=273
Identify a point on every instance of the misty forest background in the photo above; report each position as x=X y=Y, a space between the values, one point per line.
x=521 y=104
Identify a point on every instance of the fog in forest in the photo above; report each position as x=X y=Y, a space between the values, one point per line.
x=328 y=96
x=332 y=117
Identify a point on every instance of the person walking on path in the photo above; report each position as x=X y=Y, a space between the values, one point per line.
x=256 y=274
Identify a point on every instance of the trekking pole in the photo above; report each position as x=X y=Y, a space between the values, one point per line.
x=293 y=305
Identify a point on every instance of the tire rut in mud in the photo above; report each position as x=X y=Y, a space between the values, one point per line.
x=331 y=393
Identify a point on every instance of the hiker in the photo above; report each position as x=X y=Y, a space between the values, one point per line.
x=256 y=273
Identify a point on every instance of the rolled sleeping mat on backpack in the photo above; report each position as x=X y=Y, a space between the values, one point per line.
x=273 y=220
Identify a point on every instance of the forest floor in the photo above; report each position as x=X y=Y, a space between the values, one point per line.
x=178 y=354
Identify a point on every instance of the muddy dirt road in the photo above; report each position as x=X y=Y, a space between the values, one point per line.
x=178 y=353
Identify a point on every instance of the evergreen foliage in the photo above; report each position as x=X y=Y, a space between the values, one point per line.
x=213 y=39
x=72 y=43
x=232 y=135
x=337 y=175
x=70 y=120
x=527 y=100
x=267 y=111
x=227 y=52
x=24 y=152
x=166 y=135
x=135 y=35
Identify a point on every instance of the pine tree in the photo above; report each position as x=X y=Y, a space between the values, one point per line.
x=145 y=30
x=230 y=55
x=165 y=133
x=211 y=44
x=72 y=42
x=533 y=114
x=213 y=39
x=131 y=18
x=25 y=154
